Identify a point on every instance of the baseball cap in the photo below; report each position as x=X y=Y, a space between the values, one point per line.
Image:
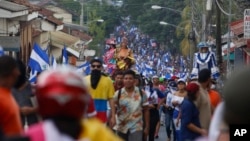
x=155 y=76
x=181 y=80
x=193 y=77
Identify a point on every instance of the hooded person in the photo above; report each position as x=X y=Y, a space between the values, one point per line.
x=101 y=89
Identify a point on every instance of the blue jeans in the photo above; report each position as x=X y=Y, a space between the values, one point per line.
x=168 y=123
x=177 y=129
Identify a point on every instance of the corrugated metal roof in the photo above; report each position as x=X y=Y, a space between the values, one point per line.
x=237 y=27
x=13 y=7
x=49 y=16
x=10 y=43
x=83 y=36
x=27 y=4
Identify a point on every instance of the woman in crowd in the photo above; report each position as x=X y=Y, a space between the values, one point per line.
x=176 y=101
x=190 y=124
x=153 y=96
x=24 y=96
x=169 y=108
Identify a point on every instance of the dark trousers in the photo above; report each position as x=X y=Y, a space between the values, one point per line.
x=136 y=136
x=168 y=123
x=154 y=119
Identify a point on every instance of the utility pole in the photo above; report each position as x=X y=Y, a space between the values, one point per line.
x=218 y=40
x=191 y=37
x=203 y=36
x=229 y=40
x=82 y=14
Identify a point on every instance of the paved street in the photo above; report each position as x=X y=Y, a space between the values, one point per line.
x=162 y=134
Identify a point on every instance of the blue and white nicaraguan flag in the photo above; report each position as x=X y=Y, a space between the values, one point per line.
x=64 y=56
x=39 y=61
x=84 y=68
x=53 y=62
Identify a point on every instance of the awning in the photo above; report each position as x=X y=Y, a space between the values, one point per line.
x=60 y=39
x=10 y=43
x=237 y=27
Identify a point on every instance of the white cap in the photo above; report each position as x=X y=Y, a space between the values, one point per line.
x=194 y=77
x=181 y=80
x=155 y=76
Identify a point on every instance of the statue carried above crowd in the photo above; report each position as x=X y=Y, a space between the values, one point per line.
x=124 y=56
x=108 y=58
x=205 y=59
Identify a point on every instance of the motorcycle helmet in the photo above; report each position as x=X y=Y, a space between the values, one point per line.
x=62 y=93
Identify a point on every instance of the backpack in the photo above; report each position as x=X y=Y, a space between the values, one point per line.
x=119 y=96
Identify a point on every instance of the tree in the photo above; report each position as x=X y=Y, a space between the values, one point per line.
x=149 y=22
x=242 y=4
x=97 y=31
x=71 y=6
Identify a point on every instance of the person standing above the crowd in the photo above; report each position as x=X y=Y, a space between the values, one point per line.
x=132 y=106
x=176 y=101
x=190 y=124
x=203 y=101
x=205 y=59
x=124 y=56
x=101 y=89
x=23 y=95
x=153 y=95
x=10 y=122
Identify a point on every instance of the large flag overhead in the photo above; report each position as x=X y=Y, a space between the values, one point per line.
x=39 y=61
x=64 y=56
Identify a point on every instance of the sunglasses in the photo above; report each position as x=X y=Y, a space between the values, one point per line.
x=96 y=66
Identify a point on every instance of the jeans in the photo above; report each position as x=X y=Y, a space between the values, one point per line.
x=169 y=123
x=177 y=128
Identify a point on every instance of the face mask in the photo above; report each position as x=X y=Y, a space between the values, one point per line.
x=95 y=72
x=95 y=77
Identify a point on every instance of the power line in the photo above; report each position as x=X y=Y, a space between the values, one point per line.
x=223 y=11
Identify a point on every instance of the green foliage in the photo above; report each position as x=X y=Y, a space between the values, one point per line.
x=72 y=6
x=149 y=19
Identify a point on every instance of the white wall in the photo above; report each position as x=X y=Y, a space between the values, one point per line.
x=3 y=27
